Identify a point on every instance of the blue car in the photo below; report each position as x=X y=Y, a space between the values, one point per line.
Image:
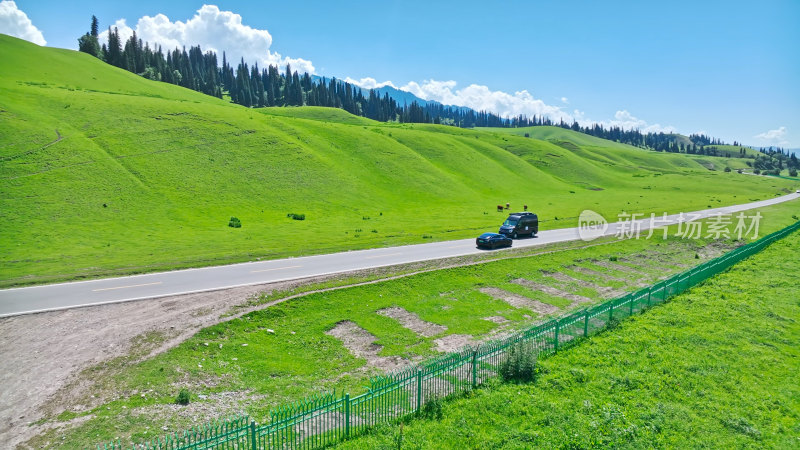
x=492 y=240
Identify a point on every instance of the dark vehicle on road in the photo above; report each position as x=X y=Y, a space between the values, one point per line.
x=520 y=224
x=492 y=240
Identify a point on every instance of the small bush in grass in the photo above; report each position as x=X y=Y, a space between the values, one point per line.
x=297 y=216
x=612 y=258
x=183 y=397
x=235 y=223
x=520 y=365
x=727 y=169
x=792 y=172
x=432 y=409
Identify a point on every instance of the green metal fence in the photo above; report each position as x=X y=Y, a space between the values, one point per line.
x=322 y=420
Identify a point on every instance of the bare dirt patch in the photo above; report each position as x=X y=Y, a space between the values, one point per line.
x=636 y=277
x=603 y=291
x=519 y=301
x=201 y=411
x=597 y=273
x=715 y=249
x=660 y=261
x=549 y=290
x=361 y=344
x=632 y=265
x=500 y=320
x=412 y=321
x=452 y=342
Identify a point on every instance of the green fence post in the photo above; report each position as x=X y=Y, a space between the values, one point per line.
x=649 y=294
x=419 y=390
x=610 y=311
x=631 y=312
x=557 y=326
x=346 y=416
x=474 y=368
x=586 y=323
x=253 y=434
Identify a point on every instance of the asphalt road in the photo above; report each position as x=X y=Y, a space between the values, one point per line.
x=111 y=290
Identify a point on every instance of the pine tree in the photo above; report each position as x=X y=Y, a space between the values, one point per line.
x=88 y=43
x=114 y=54
x=94 y=27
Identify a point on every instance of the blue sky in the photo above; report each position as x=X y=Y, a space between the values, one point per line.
x=730 y=69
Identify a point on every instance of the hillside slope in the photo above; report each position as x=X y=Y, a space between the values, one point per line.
x=104 y=172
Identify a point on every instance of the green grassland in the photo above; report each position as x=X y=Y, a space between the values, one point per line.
x=715 y=367
x=103 y=172
x=242 y=359
x=728 y=154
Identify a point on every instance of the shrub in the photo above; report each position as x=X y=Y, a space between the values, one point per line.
x=520 y=365
x=727 y=169
x=297 y=216
x=757 y=172
x=235 y=223
x=612 y=258
x=792 y=172
x=432 y=409
x=183 y=397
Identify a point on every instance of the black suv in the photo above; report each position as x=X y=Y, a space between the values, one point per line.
x=520 y=224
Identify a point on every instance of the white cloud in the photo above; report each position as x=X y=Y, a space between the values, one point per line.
x=214 y=30
x=775 y=137
x=369 y=83
x=481 y=98
x=14 y=22
x=627 y=121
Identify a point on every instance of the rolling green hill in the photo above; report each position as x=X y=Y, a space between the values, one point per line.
x=727 y=155
x=104 y=172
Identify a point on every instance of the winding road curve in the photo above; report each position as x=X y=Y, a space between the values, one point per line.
x=52 y=297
